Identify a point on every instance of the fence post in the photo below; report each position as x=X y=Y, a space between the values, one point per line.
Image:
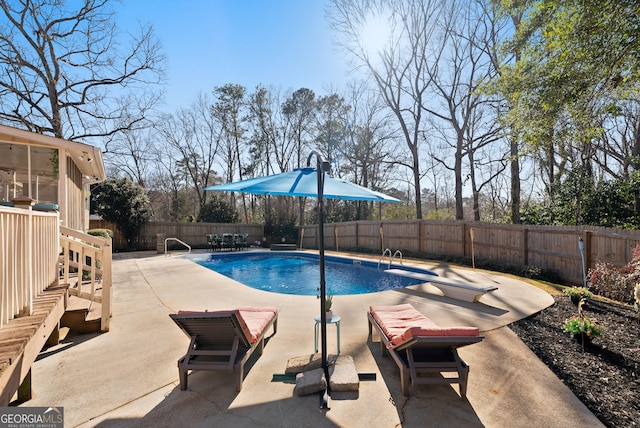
x=464 y=239
x=525 y=246
x=587 y=250
x=473 y=254
x=160 y=243
x=301 y=237
x=357 y=235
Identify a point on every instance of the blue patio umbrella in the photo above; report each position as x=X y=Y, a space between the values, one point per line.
x=314 y=183
x=303 y=182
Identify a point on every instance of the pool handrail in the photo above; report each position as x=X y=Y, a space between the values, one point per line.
x=394 y=256
x=177 y=240
x=386 y=250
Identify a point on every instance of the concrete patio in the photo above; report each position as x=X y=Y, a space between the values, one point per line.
x=128 y=377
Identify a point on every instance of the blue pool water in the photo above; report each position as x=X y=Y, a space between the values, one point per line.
x=298 y=273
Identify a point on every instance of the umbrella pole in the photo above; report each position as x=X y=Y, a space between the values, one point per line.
x=321 y=167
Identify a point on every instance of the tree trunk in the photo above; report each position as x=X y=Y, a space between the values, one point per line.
x=474 y=188
x=416 y=180
x=458 y=184
x=636 y=156
x=515 y=182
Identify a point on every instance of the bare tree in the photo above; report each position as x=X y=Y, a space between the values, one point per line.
x=169 y=188
x=264 y=134
x=400 y=66
x=497 y=32
x=229 y=109
x=298 y=111
x=461 y=111
x=331 y=121
x=132 y=154
x=263 y=106
x=194 y=137
x=618 y=146
x=64 y=72
x=367 y=144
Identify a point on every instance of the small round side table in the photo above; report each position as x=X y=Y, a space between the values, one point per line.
x=335 y=319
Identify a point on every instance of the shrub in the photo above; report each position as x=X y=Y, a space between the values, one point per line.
x=617 y=283
x=218 y=210
x=101 y=233
x=536 y=272
x=124 y=203
x=577 y=325
x=613 y=282
x=578 y=293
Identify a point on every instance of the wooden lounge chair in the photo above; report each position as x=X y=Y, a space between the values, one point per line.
x=422 y=350
x=223 y=340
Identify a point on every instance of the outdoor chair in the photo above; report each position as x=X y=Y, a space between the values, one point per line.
x=422 y=350
x=227 y=241
x=210 y=241
x=223 y=340
x=241 y=241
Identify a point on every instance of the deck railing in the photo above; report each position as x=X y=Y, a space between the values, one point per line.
x=29 y=249
x=88 y=257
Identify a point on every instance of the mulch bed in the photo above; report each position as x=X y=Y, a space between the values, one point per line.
x=605 y=374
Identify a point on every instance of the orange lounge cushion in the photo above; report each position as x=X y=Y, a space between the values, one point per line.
x=253 y=320
x=403 y=322
x=256 y=320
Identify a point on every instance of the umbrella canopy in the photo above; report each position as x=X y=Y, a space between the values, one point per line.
x=303 y=182
x=310 y=182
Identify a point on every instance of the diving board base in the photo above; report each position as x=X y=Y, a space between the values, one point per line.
x=454 y=289
x=283 y=247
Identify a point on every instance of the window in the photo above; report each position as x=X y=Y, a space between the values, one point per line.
x=35 y=176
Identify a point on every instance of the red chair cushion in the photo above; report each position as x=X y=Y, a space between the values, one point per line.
x=403 y=322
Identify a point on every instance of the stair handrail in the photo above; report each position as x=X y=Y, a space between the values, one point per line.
x=78 y=248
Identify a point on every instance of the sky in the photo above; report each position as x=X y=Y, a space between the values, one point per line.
x=209 y=43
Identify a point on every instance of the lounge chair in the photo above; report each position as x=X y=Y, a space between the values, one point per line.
x=223 y=340
x=421 y=349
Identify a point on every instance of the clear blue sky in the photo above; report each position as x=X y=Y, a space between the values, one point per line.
x=208 y=43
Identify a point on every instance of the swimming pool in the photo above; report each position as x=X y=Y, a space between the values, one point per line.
x=299 y=273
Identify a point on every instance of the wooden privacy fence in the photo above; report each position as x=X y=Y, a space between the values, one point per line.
x=194 y=234
x=555 y=248
x=549 y=247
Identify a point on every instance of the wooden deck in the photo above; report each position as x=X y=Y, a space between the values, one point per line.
x=21 y=339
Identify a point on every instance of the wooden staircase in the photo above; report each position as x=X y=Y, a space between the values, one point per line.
x=82 y=315
x=22 y=338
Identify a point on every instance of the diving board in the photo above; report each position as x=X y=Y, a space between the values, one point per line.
x=450 y=288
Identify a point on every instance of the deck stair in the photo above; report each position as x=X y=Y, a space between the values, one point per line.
x=82 y=315
x=22 y=338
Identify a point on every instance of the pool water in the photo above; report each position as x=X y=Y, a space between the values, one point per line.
x=298 y=273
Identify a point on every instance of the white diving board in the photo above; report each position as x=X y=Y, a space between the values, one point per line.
x=450 y=288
